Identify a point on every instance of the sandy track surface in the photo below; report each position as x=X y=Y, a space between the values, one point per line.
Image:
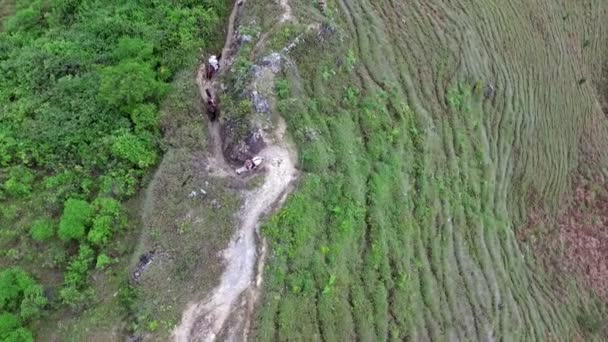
x=203 y=321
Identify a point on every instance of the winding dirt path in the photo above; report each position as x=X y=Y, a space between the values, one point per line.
x=203 y=321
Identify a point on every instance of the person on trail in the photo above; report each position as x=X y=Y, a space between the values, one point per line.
x=213 y=66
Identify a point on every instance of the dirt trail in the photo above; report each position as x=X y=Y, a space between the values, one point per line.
x=203 y=321
x=287 y=15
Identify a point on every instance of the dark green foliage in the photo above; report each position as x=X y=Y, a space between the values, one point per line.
x=102 y=261
x=133 y=48
x=128 y=84
x=19 y=182
x=75 y=218
x=79 y=267
x=42 y=230
x=144 y=116
x=19 y=335
x=11 y=330
x=81 y=80
x=282 y=89
x=75 y=291
x=109 y=219
x=137 y=150
x=20 y=294
x=8 y=323
x=81 y=83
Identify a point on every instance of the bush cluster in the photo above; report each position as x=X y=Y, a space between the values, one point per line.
x=81 y=84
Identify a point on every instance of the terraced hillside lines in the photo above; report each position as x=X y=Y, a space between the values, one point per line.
x=432 y=131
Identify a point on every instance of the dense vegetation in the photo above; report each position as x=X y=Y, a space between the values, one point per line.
x=80 y=86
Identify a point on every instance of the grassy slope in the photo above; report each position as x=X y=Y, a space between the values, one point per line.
x=416 y=182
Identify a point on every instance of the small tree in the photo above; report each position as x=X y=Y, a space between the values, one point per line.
x=8 y=323
x=12 y=331
x=109 y=218
x=78 y=269
x=75 y=291
x=19 y=335
x=19 y=182
x=42 y=230
x=144 y=116
x=103 y=261
x=20 y=294
x=101 y=231
x=128 y=84
x=134 y=148
x=133 y=48
x=76 y=216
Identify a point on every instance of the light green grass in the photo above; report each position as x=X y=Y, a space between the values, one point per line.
x=403 y=226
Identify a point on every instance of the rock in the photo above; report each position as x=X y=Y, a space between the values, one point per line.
x=255 y=141
x=135 y=338
x=489 y=91
x=144 y=260
x=260 y=102
x=256 y=71
x=273 y=61
x=245 y=38
x=215 y=204
x=326 y=30
x=311 y=134
x=239 y=146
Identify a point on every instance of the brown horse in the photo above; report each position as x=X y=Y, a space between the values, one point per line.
x=209 y=71
x=213 y=110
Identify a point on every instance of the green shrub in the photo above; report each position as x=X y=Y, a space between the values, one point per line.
x=27 y=19
x=109 y=219
x=12 y=331
x=9 y=212
x=152 y=326
x=120 y=183
x=42 y=230
x=128 y=84
x=135 y=149
x=145 y=116
x=75 y=291
x=133 y=48
x=78 y=269
x=101 y=230
x=20 y=294
x=103 y=261
x=75 y=298
x=19 y=335
x=107 y=206
x=282 y=89
x=8 y=323
x=76 y=216
x=19 y=182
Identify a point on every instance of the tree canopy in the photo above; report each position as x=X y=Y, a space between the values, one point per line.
x=81 y=84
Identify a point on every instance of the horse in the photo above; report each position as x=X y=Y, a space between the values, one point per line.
x=213 y=110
